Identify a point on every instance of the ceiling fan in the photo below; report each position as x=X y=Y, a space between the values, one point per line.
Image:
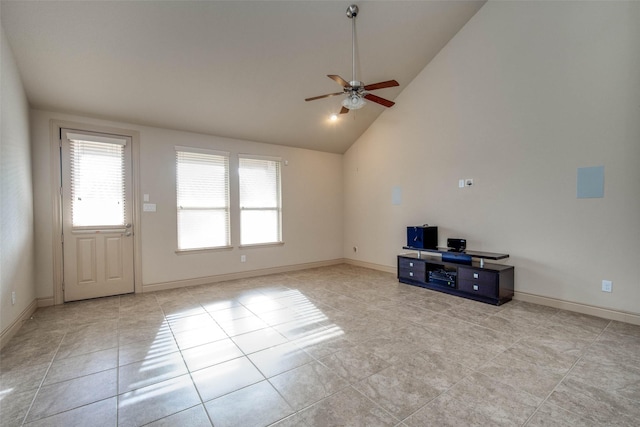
x=356 y=92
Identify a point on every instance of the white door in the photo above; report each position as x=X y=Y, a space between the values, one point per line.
x=97 y=215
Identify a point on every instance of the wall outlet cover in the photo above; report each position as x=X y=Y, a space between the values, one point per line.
x=607 y=286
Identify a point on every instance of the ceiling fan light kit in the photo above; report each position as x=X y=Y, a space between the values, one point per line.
x=353 y=102
x=355 y=91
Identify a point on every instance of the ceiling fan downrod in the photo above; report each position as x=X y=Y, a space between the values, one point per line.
x=352 y=12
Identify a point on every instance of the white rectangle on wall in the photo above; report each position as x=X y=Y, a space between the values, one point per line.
x=396 y=196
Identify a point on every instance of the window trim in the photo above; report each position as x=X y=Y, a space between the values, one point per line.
x=277 y=209
x=228 y=208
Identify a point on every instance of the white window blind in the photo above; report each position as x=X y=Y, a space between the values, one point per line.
x=97 y=183
x=260 y=200
x=202 y=198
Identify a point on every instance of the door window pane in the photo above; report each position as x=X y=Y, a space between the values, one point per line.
x=97 y=184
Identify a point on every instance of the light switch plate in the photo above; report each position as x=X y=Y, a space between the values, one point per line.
x=149 y=207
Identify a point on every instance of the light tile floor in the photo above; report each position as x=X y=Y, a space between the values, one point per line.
x=331 y=346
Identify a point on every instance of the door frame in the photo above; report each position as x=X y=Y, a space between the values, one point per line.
x=55 y=127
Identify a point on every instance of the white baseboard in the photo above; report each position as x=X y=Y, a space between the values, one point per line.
x=605 y=313
x=153 y=287
x=370 y=265
x=13 y=328
x=591 y=310
x=45 y=302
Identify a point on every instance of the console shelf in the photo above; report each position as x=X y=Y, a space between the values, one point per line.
x=473 y=254
x=480 y=281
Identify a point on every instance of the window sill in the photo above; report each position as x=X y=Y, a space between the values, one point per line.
x=261 y=245
x=203 y=250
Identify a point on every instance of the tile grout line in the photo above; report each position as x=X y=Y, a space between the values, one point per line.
x=582 y=353
x=118 y=367
x=53 y=358
x=193 y=384
x=190 y=373
x=539 y=327
x=477 y=369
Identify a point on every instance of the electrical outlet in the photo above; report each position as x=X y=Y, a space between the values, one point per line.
x=607 y=286
x=355 y=249
x=461 y=183
x=13 y=298
x=243 y=258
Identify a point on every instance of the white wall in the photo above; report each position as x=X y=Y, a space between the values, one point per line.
x=16 y=197
x=311 y=193
x=526 y=93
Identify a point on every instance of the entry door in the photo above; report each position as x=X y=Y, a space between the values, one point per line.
x=97 y=215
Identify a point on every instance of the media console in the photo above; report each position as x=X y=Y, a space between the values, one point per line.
x=477 y=280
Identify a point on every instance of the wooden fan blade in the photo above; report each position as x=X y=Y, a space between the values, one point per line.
x=324 y=96
x=342 y=82
x=382 y=85
x=344 y=110
x=379 y=100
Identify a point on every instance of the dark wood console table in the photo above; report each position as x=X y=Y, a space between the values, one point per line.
x=477 y=280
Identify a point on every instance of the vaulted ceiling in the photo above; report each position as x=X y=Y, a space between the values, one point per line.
x=239 y=69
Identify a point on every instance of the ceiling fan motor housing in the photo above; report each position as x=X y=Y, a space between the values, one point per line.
x=355 y=93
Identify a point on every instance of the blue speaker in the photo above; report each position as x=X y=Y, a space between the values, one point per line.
x=422 y=237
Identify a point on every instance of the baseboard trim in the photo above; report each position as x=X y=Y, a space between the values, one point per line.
x=154 y=287
x=15 y=326
x=45 y=302
x=370 y=265
x=591 y=310
x=605 y=313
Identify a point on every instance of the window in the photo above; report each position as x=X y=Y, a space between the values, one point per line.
x=260 y=201
x=202 y=183
x=97 y=180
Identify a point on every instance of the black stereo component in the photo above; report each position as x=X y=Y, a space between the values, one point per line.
x=458 y=245
x=443 y=277
x=422 y=237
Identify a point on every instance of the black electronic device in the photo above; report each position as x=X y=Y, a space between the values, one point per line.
x=457 y=245
x=422 y=237
x=457 y=257
x=443 y=277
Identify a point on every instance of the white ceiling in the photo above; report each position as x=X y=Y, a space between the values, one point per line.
x=238 y=69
